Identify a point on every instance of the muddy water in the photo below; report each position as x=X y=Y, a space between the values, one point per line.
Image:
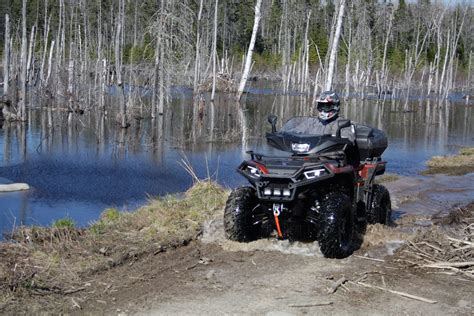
x=79 y=169
x=414 y=202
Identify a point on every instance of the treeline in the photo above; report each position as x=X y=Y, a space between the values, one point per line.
x=73 y=51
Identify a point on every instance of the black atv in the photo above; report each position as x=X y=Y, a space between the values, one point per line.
x=322 y=189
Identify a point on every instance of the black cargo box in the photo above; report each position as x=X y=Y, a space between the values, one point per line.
x=371 y=142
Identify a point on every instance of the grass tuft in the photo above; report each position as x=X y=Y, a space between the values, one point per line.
x=110 y=215
x=456 y=165
x=63 y=223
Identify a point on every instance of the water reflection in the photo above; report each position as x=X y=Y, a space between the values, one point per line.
x=79 y=164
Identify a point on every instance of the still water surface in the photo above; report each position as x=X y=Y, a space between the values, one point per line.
x=78 y=170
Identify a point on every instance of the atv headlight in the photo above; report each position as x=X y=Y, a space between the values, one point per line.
x=301 y=148
x=314 y=173
x=254 y=171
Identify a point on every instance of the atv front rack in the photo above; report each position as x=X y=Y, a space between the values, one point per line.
x=333 y=155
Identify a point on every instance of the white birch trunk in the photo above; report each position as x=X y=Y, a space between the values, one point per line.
x=248 y=60
x=334 y=47
x=214 y=52
x=383 y=72
x=21 y=113
x=118 y=69
x=306 y=55
x=103 y=84
x=6 y=57
x=30 y=58
x=50 y=61
x=198 y=45
x=45 y=45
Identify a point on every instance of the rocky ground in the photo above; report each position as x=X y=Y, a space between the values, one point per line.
x=214 y=276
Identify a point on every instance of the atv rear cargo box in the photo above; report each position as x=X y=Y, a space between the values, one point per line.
x=371 y=142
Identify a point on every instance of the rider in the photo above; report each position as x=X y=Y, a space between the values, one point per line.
x=328 y=105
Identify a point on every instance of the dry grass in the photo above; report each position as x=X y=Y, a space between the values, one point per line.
x=447 y=247
x=59 y=259
x=453 y=165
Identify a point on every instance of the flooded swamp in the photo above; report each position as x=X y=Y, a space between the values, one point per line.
x=86 y=163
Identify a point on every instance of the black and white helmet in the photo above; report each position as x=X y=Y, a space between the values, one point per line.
x=328 y=105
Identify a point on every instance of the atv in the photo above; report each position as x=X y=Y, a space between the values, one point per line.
x=322 y=188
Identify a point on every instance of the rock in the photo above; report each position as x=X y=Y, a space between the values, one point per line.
x=12 y=187
x=210 y=274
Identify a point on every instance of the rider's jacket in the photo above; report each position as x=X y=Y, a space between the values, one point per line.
x=330 y=127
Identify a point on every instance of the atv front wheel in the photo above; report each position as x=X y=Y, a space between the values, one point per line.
x=380 y=210
x=337 y=226
x=238 y=224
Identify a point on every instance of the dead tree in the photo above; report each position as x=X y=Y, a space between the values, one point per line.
x=248 y=60
x=21 y=111
x=122 y=117
x=6 y=57
x=198 y=48
x=334 y=47
x=214 y=52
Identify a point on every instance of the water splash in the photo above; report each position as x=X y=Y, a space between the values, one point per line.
x=214 y=233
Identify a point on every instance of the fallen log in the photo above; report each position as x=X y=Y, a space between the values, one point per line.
x=13 y=187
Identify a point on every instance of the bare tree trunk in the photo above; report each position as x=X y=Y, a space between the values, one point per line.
x=45 y=43
x=384 y=71
x=102 y=84
x=50 y=61
x=248 y=60
x=30 y=58
x=304 y=85
x=198 y=45
x=161 y=99
x=118 y=67
x=70 y=84
x=6 y=57
x=214 y=52
x=21 y=111
x=441 y=80
x=334 y=47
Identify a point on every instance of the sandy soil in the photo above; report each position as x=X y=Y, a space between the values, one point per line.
x=215 y=276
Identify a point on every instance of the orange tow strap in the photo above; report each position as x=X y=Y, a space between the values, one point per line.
x=277 y=222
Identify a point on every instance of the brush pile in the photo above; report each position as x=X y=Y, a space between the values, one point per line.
x=447 y=247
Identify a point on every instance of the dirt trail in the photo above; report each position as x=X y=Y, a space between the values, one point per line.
x=216 y=276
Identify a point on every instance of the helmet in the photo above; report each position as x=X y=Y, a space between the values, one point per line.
x=328 y=105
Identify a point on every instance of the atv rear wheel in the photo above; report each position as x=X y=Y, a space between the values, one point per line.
x=380 y=210
x=238 y=224
x=337 y=225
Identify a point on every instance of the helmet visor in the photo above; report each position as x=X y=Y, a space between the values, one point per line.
x=325 y=107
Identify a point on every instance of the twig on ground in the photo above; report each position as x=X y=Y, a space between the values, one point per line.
x=368 y=258
x=75 y=304
x=311 y=305
x=444 y=265
x=414 y=297
x=333 y=288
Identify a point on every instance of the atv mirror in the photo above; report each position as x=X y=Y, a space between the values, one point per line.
x=272 y=119
x=340 y=125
